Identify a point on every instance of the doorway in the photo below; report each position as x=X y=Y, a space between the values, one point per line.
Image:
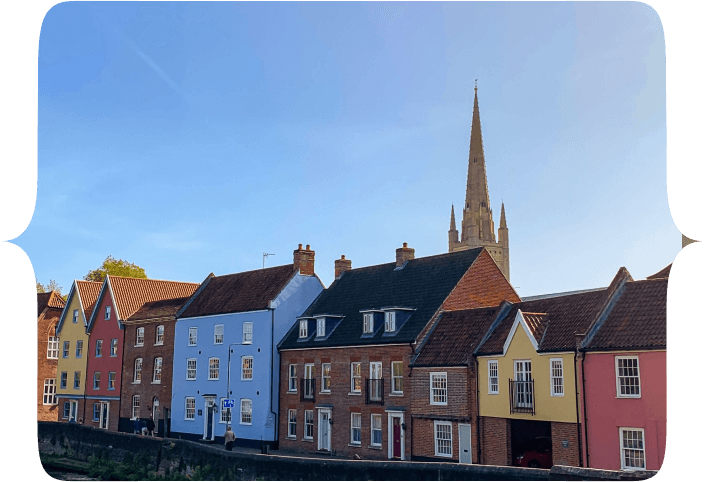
x=209 y=429
x=155 y=414
x=396 y=435
x=324 y=430
x=465 y=443
x=104 y=415
x=73 y=411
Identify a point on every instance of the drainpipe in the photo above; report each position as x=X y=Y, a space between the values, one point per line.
x=271 y=379
x=584 y=410
x=576 y=403
x=479 y=439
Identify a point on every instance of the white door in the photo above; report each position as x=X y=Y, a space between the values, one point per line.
x=465 y=443
x=155 y=409
x=375 y=381
x=524 y=389
x=73 y=411
x=324 y=430
x=104 y=414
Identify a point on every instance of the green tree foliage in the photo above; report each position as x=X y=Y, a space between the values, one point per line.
x=51 y=286
x=115 y=267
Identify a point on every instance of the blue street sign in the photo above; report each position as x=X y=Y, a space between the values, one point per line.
x=228 y=403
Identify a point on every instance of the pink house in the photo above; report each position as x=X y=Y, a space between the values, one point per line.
x=622 y=373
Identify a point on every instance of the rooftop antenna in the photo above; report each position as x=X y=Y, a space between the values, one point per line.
x=266 y=255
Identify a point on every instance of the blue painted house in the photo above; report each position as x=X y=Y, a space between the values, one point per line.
x=225 y=349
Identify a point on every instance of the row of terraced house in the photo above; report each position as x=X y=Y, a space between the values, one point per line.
x=433 y=358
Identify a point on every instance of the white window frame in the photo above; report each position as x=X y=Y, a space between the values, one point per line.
x=191 y=370
x=98 y=348
x=156 y=375
x=390 y=321
x=49 y=395
x=554 y=377
x=75 y=316
x=137 y=373
x=113 y=347
x=438 y=453
x=139 y=336
x=192 y=408
x=96 y=380
x=247 y=373
x=66 y=349
x=159 y=335
x=355 y=425
x=395 y=377
x=380 y=430
x=622 y=449
x=440 y=391
x=108 y=310
x=79 y=348
x=353 y=377
x=76 y=380
x=493 y=380
x=52 y=348
x=320 y=327
x=368 y=326
x=247 y=332
x=245 y=411
x=112 y=377
x=292 y=422
x=619 y=392
x=135 y=407
x=302 y=328
x=292 y=382
x=218 y=334
x=213 y=368
x=192 y=335
x=323 y=377
x=225 y=413
x=308 y=425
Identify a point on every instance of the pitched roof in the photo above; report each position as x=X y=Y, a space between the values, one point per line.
x=422 y=285
x=130 y=294
x=49 y=300
x=637 y=319
x=663 y=273
x=161 y=309
x=239 y=292
x=88 y=291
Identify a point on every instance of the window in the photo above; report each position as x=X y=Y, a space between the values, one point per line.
x=218 y=334
x=632 y=448
x=326 y=378
x=79 y=349
x=135 y=406
x=368 y=323
x=137 y=371
x=308 y=428
x=96 y=412
x=67 y=409
x=75 y=316
x=66 y=349
x=76 y=379
x=627 y=377
x=390 y=321
x=247 y=362
x=376 y=429
x=493 y=376
x=557 y=385
x=190 y=408
x=98 y=348
x=213 y=368
x=438 y=388
x=321 y=327
x=113 y=347
x=64 y=379
x=107 y=312
x=159 y=335
x=225 y=413
x=356 y=431
x=140 y=337
x=246 y=411
x=156 y=378
x=443 y=439
x=49 y=392
x=397 y=377
x=52 y=347
x=192 y=336
x=292 y=378
x=292 y=423
x=96 y=380
x=356 y=376
x=247 y=332
x=191 y=369
x=111 y=380
x=302 y=328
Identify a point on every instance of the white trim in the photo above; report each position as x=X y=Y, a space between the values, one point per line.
x=322 y=377
x=519 y=319
x=562 y=377
x=345 y=347
x=435 y=437
x=189 y=336
x=371 y=430
x=305 y=424
x=222 y=314
x=393 y=391
x=185 y=409
x=618 y=385
x=401 y=415
x=431 y=388
x=352 y=377
x=251 y=368
x=488 y=370
x=352 y=427
x=242 y=412
x=621 y=448
x=321 y=411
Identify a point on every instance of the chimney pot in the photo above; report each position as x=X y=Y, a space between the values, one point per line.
x=304 y=260
x=404 y=254
x=405 y=245
x=308 y=246
x=342 y=265
x=300 y=246
x=342 y=257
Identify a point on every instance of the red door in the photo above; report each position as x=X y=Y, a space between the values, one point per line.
x=396 y=422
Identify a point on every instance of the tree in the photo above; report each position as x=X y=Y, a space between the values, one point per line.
x=52 y=286
x=115 y=267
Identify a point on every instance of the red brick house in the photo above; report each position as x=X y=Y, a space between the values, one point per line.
x=49 y=307
x=345 y=366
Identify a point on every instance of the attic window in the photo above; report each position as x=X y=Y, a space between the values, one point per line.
x=302 y=328
x=107 y=312
x=390 y=321
x=368 y=323
x=321 y=327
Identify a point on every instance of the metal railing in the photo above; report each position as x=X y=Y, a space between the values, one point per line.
x=374 y=390
x=308 y=389
x=522 y=396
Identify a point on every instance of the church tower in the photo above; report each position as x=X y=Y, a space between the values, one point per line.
x=477 y=216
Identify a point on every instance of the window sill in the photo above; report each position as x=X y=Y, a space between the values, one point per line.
x=310 y=440
x=289 y=437
x=158 y=344
x=291 y=393
x=355 y=444
x=447 y=456
x=397 y=394
x=374 y=447
x=359 y=394
x=156 y=383
x=139 y=346
x=246 y=379
x=325 y=393
x=243 y=423
x=137 y=383
x=628 y=396
x=190 y=379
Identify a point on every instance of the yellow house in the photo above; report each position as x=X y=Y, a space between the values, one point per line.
x=73 y=349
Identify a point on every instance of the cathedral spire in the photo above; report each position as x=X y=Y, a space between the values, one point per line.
x=453 y=227
x=502 y=223
x=477 y=190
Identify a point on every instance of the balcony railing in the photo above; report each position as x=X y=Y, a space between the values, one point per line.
x=521 y=393
x=374 y=391
x=308 y=389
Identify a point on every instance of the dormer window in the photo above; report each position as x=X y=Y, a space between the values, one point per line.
x=303 y=329
x=390 y=321
x=368 y=323
x=321 y=327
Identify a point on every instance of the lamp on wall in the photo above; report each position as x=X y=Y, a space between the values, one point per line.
x=403 y=426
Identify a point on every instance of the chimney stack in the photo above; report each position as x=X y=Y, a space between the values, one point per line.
x=304 y=260
x=342 y=265
x=404 y=254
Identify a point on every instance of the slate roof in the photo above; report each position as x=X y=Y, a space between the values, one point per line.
x=239 y=292
x=637 y=320
x=130 y=294
x=422 y=284
x=49 y=300
x=663 y=273
x=161 y=309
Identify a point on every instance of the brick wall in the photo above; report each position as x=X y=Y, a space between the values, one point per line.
x=562 y=433
x=342 y=402
x=496 y=440
x=46 y=368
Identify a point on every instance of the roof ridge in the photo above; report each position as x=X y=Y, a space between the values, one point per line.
x=146 y=279
x=253 y=270
x=422 y=258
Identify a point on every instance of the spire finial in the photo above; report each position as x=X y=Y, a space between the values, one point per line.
x=475 y=86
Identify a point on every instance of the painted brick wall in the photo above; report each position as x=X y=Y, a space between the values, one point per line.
x=46 y=368
x=496 y=441
x=569 y=433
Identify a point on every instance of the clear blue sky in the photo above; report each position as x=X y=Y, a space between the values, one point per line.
x=190 y=138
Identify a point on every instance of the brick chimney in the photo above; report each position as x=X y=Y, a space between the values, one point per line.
x=342 y=265
x=404 y=254
x=304 y=260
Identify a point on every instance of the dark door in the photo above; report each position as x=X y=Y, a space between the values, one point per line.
x=209 y=434
x=396 y=426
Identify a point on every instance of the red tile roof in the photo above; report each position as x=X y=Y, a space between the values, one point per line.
x=89 y=291
x=130 y=294
x=537 y=322
x=50 y=300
